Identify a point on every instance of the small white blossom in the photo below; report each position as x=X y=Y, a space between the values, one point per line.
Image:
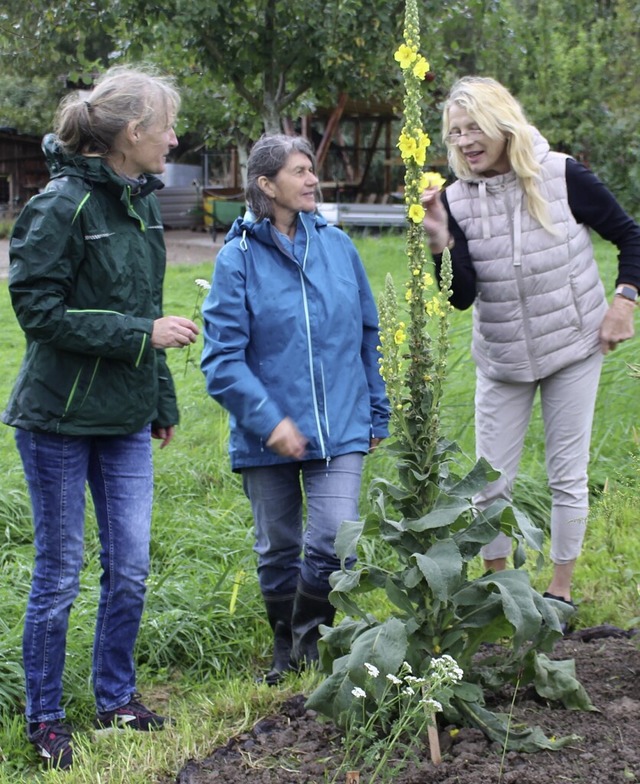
x=358 y=692
x=447 y=667
x=372 y=670
x=203 y=284
x=393 y=679
x=408 y=690
x=406 y=667
x=431 y=704
x=413 y=679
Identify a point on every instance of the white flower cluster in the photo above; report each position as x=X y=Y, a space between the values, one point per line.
x=447 y=668
x=203 y=284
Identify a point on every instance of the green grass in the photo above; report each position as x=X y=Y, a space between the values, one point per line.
x=204 y=635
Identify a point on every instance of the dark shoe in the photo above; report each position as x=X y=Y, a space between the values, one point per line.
x=564 y=625
x=52 y=740
x=309 y=611
x=133 y=715
x=279 y=612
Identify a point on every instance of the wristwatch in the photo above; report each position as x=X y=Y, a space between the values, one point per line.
x=628 y=292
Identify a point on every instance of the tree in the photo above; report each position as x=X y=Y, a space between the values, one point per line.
x=261 y=60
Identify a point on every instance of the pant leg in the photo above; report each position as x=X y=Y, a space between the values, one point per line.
x=568 y=403
x=121 y=483
x=502 y=415
x=56 y=469
x=332 y=490
x=276 y=501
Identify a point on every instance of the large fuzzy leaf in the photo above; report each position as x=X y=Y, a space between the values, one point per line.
x=441 y=566
x=556 y=680
x=514 y=737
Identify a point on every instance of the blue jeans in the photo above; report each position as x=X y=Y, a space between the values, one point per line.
x=119 y=472
x=332 y=491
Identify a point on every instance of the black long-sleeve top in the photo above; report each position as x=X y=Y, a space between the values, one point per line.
x=591 y=203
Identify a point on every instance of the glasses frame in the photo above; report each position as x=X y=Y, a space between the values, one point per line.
x=453 y=137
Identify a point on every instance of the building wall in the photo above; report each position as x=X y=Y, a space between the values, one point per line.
x=23 y=171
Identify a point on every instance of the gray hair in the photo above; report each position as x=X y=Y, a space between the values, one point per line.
x=122 y=95
x=267 y=157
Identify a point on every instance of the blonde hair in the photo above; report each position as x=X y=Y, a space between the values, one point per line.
x=122 y=95
x=500 y=116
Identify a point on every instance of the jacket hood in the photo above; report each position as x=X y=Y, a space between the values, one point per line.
x=90 y=168
x=248 y=227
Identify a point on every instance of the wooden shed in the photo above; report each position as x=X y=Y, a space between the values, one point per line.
x=23 y=171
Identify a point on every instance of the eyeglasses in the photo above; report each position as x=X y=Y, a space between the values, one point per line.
x=472 y=135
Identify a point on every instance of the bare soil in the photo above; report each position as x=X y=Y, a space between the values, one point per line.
x=297 y=746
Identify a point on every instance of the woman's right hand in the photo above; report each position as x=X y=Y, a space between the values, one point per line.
x=173 y=332
x=436 y=220
x=286 y=440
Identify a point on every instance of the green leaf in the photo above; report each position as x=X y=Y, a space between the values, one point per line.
x=384 y=645
x=556 y=680
x=333 y=696
x=398 y=595
x=440 y=517
x=347 y=539
x=516 y=601
x=475 y=481
x=498 y=728
x=441 y=566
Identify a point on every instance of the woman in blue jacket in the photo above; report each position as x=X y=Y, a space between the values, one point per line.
x=291 y=336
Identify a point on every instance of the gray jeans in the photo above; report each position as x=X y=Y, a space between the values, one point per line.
x=503 y=411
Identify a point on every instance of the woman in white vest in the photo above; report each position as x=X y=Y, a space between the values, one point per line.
x=517 y=223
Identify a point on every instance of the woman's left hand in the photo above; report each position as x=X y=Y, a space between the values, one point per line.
x=374 y=443
x=617 y=324
x=164 y=434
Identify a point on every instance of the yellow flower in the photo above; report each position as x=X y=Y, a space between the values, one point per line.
x=416 y=213
x=399 y=337
x=408 y=295
x=420 y=68
x=431 y=179
x=433 y=307
x=407 y=145
x=427 y=280
x=405 y=55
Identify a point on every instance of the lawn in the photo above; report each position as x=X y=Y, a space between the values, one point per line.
x=204 y=635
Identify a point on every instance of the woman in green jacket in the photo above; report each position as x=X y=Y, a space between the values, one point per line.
x=87 y=260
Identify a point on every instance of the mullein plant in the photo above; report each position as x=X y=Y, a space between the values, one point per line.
x=428 y=518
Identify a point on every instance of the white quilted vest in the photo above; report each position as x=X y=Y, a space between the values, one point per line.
x=540 y=301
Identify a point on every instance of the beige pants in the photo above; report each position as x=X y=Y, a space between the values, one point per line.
x=503 y=412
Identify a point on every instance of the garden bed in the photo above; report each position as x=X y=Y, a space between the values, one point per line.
x=298 y=747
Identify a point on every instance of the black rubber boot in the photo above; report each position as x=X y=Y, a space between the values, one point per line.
x=279 y=612
x=309 y=611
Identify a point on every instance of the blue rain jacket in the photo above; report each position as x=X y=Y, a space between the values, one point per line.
x=291 y=329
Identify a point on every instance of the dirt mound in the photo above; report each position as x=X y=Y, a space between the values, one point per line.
x=299 y=747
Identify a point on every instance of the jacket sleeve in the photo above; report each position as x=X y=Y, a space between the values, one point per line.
x=463 y=284
x=168 y=414
x=380 y=407
x=46 y=252
x=227 y=334
x=593 y=204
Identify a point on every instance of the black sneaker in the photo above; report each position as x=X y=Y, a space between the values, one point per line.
x=565 y=626
x=134 y=715
x=52 y=740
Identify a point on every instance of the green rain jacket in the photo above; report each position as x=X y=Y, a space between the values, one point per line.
x=87 y=262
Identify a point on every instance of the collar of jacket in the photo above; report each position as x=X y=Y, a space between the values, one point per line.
x=262 y=230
